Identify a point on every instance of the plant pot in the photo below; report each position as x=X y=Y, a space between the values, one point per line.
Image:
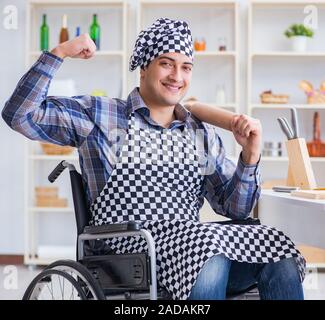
x=299 y=43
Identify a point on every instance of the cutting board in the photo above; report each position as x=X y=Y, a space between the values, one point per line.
x=310 y=194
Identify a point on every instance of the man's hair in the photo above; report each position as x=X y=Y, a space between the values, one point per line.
x=145 y=67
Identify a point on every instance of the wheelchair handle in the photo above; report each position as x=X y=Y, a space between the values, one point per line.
x=59 y=169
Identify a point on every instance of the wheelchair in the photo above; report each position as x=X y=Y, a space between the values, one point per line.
x=98 y=272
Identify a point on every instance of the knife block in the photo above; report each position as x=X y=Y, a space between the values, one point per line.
x=300 y=171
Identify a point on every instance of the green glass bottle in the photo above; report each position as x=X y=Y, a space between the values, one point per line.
x=95 y=32
x=44 y=35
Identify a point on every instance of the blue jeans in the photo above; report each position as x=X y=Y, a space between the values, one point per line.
x=221 y=277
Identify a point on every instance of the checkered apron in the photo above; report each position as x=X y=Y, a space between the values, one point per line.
x=157 y=181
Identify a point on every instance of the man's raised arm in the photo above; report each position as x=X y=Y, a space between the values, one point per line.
x=59 y=120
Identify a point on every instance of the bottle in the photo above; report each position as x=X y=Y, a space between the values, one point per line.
x=95 y=31
x=221 y=96
x=222 y=44
x=78 y=32
x=44 y=45
x=64 y=34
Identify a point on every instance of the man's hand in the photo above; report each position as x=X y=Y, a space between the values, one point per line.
x=248 y=133
x=82 y=47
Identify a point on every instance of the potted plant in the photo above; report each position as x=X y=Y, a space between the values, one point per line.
x=299 y=34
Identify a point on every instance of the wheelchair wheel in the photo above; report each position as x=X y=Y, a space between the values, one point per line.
x=54 y=285
x=82 y=275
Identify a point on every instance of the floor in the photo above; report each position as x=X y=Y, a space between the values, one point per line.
x=15 y=279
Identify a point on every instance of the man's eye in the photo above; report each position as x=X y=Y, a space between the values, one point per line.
x=166 y=64
x=188 y=69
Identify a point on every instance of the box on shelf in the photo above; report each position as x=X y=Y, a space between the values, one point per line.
x=52 y=192
x=48 y=197
x=269 y=97
x=47 y=202
x=53 y=149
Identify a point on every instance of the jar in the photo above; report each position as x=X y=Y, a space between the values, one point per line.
x=199 y=44
x=222 y=43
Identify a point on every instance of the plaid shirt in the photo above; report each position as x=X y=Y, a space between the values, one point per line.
x=97 y=126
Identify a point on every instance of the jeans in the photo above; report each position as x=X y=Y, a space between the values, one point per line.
x=221 y=277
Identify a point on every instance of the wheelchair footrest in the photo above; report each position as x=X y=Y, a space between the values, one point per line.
x=120 y=271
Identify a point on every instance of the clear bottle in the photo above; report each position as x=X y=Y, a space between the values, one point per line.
x=44 y=35
x=221 y=95
x=64 y=34
x=222 y=42
x=95 y=31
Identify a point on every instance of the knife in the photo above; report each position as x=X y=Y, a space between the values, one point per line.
x=284 y=128
x=295 y=124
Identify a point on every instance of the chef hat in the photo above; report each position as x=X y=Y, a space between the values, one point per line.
x=163 y=36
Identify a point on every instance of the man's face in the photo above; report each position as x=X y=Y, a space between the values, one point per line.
x=165 y=81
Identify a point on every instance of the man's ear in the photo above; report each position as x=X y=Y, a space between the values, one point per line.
x=142 y=73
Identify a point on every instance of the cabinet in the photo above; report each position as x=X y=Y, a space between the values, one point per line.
x=50 y=233
x=306 y=220
x=273 y=65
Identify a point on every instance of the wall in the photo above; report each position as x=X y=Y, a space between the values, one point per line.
x=12 y=62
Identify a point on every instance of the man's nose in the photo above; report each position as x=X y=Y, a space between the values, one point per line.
x=176 y=75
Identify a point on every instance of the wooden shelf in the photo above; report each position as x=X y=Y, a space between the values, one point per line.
x=44 y=157
x=69 y=3
x=214 y=54
x=221 y=3
x=51 y=209
x=288 y=3
x=285 y=159
x=287 y=106
x=288 y=54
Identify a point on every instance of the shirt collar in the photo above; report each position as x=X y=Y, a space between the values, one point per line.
x=136 y=103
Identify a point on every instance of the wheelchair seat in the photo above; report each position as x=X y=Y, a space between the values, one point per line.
x=98 y=272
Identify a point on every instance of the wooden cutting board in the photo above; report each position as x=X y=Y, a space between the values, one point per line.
x=310 y=194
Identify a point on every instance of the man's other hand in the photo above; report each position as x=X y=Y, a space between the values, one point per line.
x=248 y=133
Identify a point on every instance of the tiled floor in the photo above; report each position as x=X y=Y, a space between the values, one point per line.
x=14 y=281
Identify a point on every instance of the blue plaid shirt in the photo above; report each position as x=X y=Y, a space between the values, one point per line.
x=97 y=126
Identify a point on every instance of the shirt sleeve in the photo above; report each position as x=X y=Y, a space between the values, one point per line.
x=231 y=190
x=58 y=120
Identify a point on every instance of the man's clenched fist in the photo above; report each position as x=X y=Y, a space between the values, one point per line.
x=82 y=47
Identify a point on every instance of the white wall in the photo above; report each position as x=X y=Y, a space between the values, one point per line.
x=12 y=67
x=12 y=54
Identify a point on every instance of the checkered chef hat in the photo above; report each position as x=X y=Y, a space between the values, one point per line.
x=163 y=36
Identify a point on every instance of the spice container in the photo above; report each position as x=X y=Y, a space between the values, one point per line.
x=222 y=43
x=199 y=44
x=271 y=149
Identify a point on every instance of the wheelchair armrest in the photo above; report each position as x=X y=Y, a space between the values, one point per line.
x=111 y=228
x=248 y=221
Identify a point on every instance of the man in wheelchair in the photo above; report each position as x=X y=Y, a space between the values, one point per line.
x=147 y=159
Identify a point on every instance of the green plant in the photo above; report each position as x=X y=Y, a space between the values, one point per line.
x=299 y=30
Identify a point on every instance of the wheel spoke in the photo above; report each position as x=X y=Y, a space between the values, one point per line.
x=61 y=288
